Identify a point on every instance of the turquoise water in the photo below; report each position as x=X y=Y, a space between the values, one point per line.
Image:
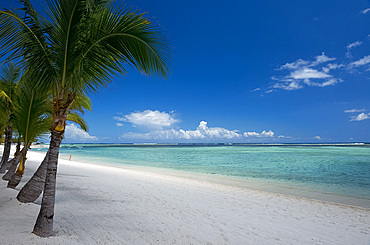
x=329 y=169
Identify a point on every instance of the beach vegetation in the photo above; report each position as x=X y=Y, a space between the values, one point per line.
x=35 y=185
x=32 y=113
x=10 y=75
x=78 y=47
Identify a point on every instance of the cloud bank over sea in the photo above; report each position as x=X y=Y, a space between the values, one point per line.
x=160 y=126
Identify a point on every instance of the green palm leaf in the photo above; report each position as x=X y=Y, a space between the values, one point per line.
x=76 y=49
x=32 y=113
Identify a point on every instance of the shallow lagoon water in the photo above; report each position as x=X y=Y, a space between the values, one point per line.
x=324 y=172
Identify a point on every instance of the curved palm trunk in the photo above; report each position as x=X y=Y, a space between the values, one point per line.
x=44 y=222
x=7 y=165
x=17 y=177
x=34 y=187
x=7 y=144
x=12 y=169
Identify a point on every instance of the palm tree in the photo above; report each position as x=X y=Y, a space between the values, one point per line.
x=13 y=163
x=10 y=75
x=32 y=119
x=78 y=48
x=34 y=187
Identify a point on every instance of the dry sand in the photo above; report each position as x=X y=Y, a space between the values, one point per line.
x=107 y=205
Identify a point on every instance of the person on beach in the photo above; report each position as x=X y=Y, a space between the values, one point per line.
x=70 y=157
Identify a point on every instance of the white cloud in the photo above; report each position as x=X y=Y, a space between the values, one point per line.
x=361 y=117
x=354 y=44
x=294 y=85
x=321 y=59
x=202 y=132
x=121 y=119
x=262 y=134
x=365 y=11
x=334 y=66
x=149 y=118
x=304 y=63
x=294 y=65
x=256 y=89
x=354 y=110
x=119 y=124
x=317 y=137
x=350 y=46
x=361 y=62
x=325 y=69
x=73 y=133
x=284 y=137
x=308 y=73
x=329 y=82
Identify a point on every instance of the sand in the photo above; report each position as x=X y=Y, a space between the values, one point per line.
x=107 y=205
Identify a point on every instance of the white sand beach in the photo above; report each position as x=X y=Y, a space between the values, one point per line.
x=107 y=205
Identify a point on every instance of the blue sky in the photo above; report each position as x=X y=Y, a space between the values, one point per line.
x=245 y=71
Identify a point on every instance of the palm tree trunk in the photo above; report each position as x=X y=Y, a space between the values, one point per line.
x=34 y=187
x=7 y=165
x=17 y=177
x=7 y=145
x=12 y=169
x=44 y=222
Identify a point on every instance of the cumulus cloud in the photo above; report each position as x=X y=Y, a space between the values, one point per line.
x=322 y=71
x=317 y=137
x=73 y=133
x=365 y=11
x=360 y=117
x=262 y=134
x=119 y=124
x=202 y=132
x=301 y=63
x=310 y=73
x=322 y=59
x=149 y=118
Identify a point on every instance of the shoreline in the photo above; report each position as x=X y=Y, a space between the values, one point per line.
x=109 y=205
x=293 y=189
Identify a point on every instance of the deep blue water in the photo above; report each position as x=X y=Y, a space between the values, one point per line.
x=341 y=170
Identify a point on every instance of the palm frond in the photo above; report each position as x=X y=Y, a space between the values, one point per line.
x=122 y=36
x=32 y=114
x=81 y=104
x=75 y=117
x=23 y=39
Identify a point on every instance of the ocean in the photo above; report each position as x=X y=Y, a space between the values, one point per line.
x=331 y=173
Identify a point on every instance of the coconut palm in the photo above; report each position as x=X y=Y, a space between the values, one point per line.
x=34 y=187
x=13 y=163
x=32 y=118
x=78 y=48
x=3 y=120
x=9 y=77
